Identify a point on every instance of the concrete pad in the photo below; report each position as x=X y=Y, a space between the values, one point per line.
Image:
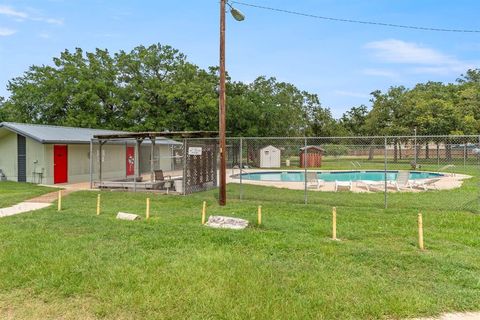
x=455 y=316
x=221 y=222
x=21 y=208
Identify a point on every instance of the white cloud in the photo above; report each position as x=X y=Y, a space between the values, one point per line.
x=422 y=59
x=5 y=32
x=398 y=51
x=9 y=11
x=22 y=15
x=346 y=93
x=380 y=73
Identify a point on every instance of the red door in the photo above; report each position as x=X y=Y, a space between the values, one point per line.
x=130 y=161
x=60 y=164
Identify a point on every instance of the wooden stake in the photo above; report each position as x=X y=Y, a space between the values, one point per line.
x=204 y=211
x=147 y=213
x=259 y=215
x=334 y=223
x=420 y=232
x=60 y=200
x=98 y=204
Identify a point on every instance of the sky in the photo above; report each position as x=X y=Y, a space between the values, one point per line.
x=341 y=62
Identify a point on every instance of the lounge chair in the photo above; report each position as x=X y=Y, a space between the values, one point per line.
x=313 y=181
x=448 y=166
x=425 y=183
x=372 y=184
x=343 y=184
x=402 y=181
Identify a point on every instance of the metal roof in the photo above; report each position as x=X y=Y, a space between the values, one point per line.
x=69 y=135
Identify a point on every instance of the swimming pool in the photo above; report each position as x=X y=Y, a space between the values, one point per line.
x=298 y=176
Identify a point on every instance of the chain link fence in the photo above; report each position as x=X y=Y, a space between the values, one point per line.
x=404 y=172
x=396 y=172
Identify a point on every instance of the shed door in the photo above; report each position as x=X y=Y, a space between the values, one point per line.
x=130 y=161
x=21 y=159
x=60 y=164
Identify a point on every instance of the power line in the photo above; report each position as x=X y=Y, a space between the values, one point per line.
x=355 y=21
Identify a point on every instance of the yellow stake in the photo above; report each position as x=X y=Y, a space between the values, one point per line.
x=147 y=214
x=420 y=232
x=334 y=223
x=204 y=211
x=98 y=204
x=60 y=200
x=259 y=215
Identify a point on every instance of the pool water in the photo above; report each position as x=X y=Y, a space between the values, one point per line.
x=298 y=176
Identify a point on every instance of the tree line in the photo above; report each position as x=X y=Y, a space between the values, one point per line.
x=156 y=88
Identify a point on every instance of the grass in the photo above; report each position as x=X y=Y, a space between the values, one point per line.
x=76 y=265
x=12 y=193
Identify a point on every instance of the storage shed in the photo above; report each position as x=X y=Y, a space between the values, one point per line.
x=270 y=157
x=311 y=156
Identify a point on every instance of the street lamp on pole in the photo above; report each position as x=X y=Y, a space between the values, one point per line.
x=237 y=15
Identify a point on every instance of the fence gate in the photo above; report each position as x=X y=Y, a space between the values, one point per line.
x=200 y=170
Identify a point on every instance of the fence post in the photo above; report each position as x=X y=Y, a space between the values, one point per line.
x=420 y=232
x=147 y=209
x=305 y=167
x=98 y=204
x=185 y=150
x=241 y=168
x=59 y=200
x=334 y=223
x=385 y=173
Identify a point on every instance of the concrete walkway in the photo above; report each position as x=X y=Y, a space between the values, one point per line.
x=21 y=208
x=36 y=203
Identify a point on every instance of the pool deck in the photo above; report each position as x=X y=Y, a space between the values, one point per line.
x=447 y=182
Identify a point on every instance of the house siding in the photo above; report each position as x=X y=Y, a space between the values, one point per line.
x=8 y=155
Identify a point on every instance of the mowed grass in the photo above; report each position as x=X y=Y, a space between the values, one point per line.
x=12 y=192
x=76 y=265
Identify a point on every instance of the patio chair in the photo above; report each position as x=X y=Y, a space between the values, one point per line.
x=343 y=184
x=161 y=179
x=313 y=181
x=372 y=184
x=402 y=181
x=425 y=183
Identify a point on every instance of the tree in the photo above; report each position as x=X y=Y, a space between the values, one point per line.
x=354 y=121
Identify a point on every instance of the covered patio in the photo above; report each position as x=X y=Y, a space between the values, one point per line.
x=152 y=161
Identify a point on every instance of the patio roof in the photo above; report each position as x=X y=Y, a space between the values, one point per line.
x=153 y=135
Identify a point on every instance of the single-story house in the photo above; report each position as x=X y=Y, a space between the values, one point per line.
x=53 y=154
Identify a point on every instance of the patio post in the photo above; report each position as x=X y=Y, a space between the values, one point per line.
x=100 y=174
x=152 y=159
x=91 y=163
x=136 y=164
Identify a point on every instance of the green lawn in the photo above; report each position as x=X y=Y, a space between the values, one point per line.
x=12 y=193
x=76 y=265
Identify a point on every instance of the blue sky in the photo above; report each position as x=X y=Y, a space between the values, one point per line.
x=340 y=62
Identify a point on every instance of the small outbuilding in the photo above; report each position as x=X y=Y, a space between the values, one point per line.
x=311 y=156
x=54 y=154
x=270 y=157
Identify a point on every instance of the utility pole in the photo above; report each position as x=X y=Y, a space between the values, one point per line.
x=222 y=112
